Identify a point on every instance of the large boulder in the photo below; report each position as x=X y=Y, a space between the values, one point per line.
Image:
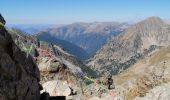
x=19 y=75
x=57 y=88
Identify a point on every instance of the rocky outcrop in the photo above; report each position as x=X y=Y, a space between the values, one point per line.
x=19 y=75
x=57 y=88
x=2 y=20
x=60 y=73
x=54 y=64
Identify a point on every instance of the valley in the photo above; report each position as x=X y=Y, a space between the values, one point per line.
x=107 y=60
x=88 y=37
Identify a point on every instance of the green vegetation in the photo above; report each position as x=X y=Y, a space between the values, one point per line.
x=1 y=25
x=88 y=80
x=27 y=48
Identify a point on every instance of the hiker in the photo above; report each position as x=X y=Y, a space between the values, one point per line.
x=110 y=82
x=72 y=91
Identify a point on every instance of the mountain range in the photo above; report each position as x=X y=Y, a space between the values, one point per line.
x=125 y=49
x=31 y=28
x=87 y=36
x=136 y=57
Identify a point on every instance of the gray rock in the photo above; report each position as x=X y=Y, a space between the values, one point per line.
x=19 y=75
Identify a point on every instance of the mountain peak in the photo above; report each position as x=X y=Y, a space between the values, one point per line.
x=156 y=21
x=154 y=18
x=152 y=25
x=132 y=43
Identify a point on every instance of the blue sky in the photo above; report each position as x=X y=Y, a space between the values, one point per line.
x=69 y=11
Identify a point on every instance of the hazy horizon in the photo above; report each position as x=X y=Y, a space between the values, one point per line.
x=70 y=11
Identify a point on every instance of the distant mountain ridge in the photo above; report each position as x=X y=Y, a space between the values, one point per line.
x=31 y=28
x=88 y=36
x=125 y=49
x=67 y=46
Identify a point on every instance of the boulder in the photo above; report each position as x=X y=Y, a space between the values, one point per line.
x=19 y=75
x=57 y=88
x=49 y=65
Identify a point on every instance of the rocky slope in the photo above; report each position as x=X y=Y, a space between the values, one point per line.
x=148 y=79
x=157 y=93
x=42 y=49
x=19 y=75
x=88 y=36
x=68 y=46
x=60 y=71
x=136 y=42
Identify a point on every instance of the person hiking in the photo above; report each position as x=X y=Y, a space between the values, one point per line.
x=72 y=91
x=110 y=82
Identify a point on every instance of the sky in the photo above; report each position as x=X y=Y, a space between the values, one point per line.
x=69 y=11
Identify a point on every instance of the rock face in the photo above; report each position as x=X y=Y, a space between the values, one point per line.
x=125 y=49
x=19 y=75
